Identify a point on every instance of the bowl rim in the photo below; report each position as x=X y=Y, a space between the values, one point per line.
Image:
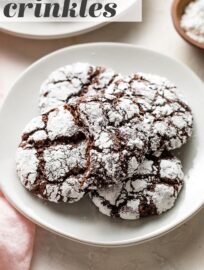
x=179 y=29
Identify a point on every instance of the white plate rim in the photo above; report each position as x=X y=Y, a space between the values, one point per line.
x=162 y=231
x=83 y=30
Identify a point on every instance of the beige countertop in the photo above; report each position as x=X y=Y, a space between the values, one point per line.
x=183 y=248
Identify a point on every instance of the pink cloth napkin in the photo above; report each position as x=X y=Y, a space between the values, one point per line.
x=16 y=236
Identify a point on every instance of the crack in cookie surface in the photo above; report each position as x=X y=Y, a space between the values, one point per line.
x=172 y=120
x=51 y=159
x=101 y=133
x=68 y=83
x=171 y=117
x=120 y=134
x=110 y=147
x=152 y=191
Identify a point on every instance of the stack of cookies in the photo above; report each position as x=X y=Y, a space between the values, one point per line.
x=109 y=136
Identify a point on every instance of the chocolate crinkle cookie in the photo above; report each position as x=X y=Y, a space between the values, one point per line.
x=120 y=136
x=152 y=191
x=52 y=156
x=171 y=117
x=109 y=135
x=96 y=142
x=68 y=83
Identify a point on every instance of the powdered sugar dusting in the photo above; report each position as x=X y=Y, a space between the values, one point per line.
x=61 y=123
x=68 y=83
x=101 y=81
x=38 y=136
x=49 y=162
x=111 y=195
x=139 y=184
x=157 y=80
x=152 y=191
x=117 y=127
x=51 y=192
x=104 y=140
x=63 y=84
x=27 y=164
x=171 y=169
x=192 y=20
x=146 y=167
x=35 y=124
x=97 y=132
x=71 y=189
x=162 y=197
x=131 y=210
x=132 y=166
x=169 y=119
x=62 y=159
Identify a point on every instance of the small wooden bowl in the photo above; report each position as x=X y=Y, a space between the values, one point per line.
x=178 y=8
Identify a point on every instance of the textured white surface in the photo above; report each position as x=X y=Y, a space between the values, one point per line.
x=180 y=249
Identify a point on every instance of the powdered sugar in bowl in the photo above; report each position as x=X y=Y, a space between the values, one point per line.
x=188 y=19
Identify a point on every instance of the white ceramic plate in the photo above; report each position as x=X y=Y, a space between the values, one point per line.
x=82 y=221
x=54 y=30
x=50 y=30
